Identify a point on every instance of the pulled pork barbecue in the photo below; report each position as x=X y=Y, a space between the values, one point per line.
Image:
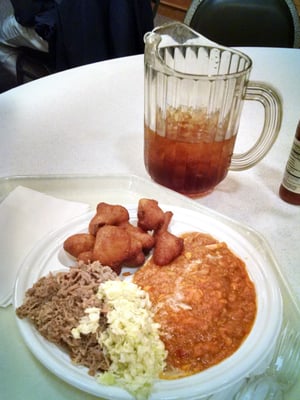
x=56 y=303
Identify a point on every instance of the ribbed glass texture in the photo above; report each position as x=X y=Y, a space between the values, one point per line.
x=194 y=93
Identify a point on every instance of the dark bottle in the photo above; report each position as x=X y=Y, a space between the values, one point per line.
x=290 y=187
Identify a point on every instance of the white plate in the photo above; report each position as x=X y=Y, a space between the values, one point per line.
x=251 y=358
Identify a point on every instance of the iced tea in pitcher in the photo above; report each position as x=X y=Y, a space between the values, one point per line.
x=192 y=157
x=194 y=93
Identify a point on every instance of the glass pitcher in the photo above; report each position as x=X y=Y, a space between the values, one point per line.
x=194 y=92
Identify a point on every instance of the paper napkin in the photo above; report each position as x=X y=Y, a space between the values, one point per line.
x=25 y=217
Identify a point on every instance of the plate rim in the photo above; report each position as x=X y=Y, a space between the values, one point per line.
x=84 y=217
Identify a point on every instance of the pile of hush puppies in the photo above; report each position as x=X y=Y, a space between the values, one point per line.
x=114 y=241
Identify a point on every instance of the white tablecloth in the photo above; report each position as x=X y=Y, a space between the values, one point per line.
x=90 y=120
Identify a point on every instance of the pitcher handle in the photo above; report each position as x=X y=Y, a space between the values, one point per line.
x=273 y=116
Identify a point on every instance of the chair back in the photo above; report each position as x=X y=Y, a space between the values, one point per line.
x=262 y=23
